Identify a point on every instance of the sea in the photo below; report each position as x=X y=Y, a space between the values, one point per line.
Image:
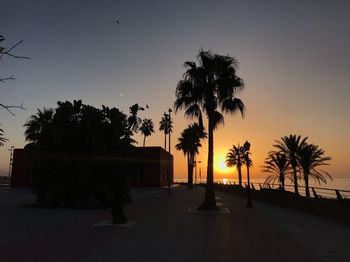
x=327 y=190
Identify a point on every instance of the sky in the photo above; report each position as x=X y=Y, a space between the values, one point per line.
x=293 y=57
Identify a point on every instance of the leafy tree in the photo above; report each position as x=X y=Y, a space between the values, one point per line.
x=166 y=126
x=80 y=152
x=277 y=165
x=290 y=146
x=146 y=129
x=209 y=88
x=189 y=143
x=310 y=158
x=235 y=157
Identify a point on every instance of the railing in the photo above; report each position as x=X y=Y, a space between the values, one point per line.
x=315 y=192
x=4 y=183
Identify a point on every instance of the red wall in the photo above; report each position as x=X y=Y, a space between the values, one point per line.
x=152 y=168
x=20 y=174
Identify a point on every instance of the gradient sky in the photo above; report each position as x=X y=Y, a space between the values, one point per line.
x=294 y=58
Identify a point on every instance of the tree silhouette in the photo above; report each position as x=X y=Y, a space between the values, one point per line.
x=38 y=125
x=189 y=143
x=166 y=126
x=290 y=146
x=80 y=152
x=146 y=129
x=210 y=88
x=277 y=164
x=310 y=158
x=235 y=157
x=134 y=120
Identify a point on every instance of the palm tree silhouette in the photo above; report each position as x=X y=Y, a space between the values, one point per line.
x=277 y=164
x=290 y=146
x=310 y=157
x=166 y=126
x=210 y=87
x=2 y=138
x=235 y=157
x=146 y=129
x=134 y=120
x=189 y=143
x=36 y=127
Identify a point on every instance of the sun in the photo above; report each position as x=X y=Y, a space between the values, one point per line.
x=220 y=165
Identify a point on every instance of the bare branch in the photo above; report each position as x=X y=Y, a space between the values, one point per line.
x=9 y=108
x=7 y=78
x=16 y=56
x=14 y=46
x=7 y=51
x=4 y=51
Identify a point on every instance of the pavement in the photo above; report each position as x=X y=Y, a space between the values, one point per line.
x=163 y=228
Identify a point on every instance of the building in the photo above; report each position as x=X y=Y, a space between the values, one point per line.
x=152 y=168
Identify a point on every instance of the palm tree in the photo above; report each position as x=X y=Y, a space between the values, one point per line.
x=166 y=126
x=210 y=88
x=235 y=157
x=134 y=120
x=146 y=129
x=36 y=127
x=310 y=157
x=277 y=164
x=189 y=143
x=2 y=138
x=290 y=146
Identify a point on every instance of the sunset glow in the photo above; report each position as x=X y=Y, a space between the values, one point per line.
x=220 y=166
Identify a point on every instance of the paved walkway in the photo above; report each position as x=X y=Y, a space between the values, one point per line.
x=162 y=229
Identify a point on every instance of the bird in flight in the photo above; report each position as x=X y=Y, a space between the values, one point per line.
x=117 y=21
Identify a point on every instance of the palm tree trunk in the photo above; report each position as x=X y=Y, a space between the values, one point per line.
x=295 y=181
x=239 y=175
x=165 y=141
x=282 y=182
x=209 y=198
x=307 y=190
x=189 y=175
x=144 y=141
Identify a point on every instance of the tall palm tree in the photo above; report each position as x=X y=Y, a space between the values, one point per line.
x=36 y=127
x=235 y=157
x=189 y=143
x=146 y=129
x=166 y=125
x=276 y=163
x=290 y=145
x=210 y=88
x=2 y=138
x=310 y=157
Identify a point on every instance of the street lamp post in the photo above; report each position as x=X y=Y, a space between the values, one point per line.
x=195 y=172
x=169 y=173
x=246 y=147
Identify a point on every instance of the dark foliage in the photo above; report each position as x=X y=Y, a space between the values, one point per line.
x=80 y=156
